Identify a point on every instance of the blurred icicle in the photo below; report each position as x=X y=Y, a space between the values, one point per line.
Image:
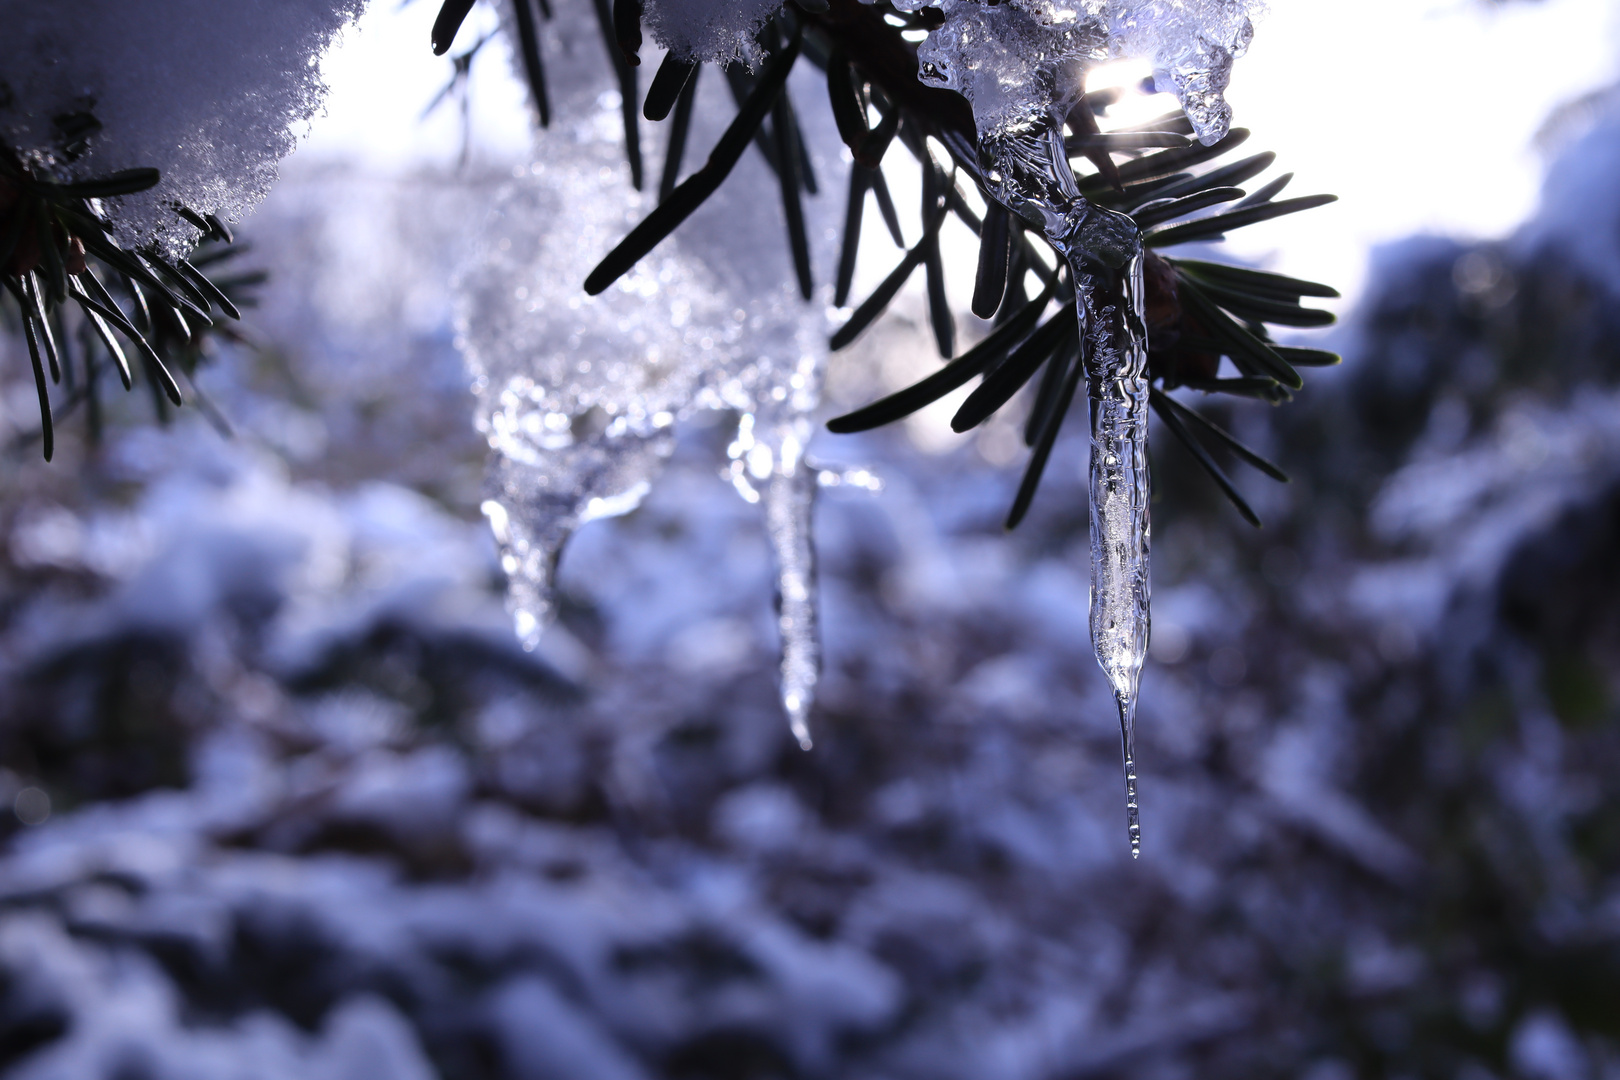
x=768 y=467
x=577 y=400
x=580 y=396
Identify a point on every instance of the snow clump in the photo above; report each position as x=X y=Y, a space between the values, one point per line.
x=994 y=54
x=713 y=30
x=212 y=95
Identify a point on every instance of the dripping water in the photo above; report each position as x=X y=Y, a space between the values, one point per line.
x=1127 y=738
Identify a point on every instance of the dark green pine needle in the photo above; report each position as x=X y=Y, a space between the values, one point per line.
x=691 y=193
x=1202 y=456
x=451 y=15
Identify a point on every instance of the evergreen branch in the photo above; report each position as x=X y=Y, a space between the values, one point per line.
x=953 y=375
x=1307 y=357
x=1201 y=455
x=939 y=305
x=628 y=94
x=1005 y=381
x=669 y=82
x=679 y=128
x=1267 y=193
x=1212 y=228
x=1251 y=354
x=1262 y=282
x=875 y=304
x=1230 y=441
x=534 y=68
x=452 y=13
x=995 y=254
x=854 y=211
x=788 y=173
x=1169 y=208
x=47 y=431
x=1073 y=369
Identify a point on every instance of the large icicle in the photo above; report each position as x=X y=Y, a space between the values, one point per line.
x=1023 y=74
x=1117 y=385
x=1029 y=172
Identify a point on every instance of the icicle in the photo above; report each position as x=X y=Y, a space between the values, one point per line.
x=1117 y=387
x=768 y=467
x=1025 y=165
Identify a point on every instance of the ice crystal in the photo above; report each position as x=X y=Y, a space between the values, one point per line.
x=212 y=95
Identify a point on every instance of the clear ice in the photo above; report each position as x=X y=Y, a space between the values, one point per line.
x=1022 y=79
x=1117 y=392
x=579 y=396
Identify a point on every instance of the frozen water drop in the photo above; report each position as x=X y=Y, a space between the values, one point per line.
x=1127 y=735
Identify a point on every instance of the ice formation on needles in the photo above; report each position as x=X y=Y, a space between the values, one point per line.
x=210 y=94
x=578 y=395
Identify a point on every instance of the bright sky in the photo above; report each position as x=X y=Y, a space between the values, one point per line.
x=1420 y=114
